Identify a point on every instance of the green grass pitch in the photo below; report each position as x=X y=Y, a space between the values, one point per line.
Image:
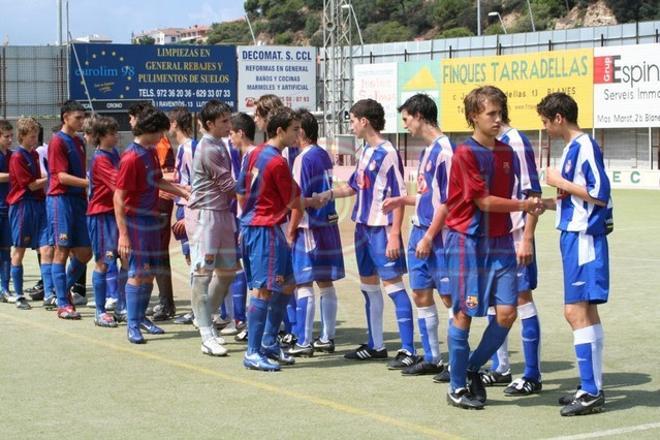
x=73 y=380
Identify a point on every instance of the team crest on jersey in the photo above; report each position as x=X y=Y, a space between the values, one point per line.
x=63 y=237
x=422 y=187
x=507 y=167
x=568 y=166
x=362 y=180
x=472 y=302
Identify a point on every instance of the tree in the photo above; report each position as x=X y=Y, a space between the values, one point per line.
x=236 y=32
x=145 y=39
x=386 y=32
x=634 y=10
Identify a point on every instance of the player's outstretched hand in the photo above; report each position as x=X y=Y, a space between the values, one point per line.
x=534 y=206
x=322 y=199
x=391 y=203
x=124 y=247
x=423 y=249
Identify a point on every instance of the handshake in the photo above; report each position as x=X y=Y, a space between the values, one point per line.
x=534 y=206
x=319 y=200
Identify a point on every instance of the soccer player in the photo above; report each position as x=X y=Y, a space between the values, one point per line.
x=584 y=215
x=136 y=210
x=213 y=245
x=27 y=211
x=481 y=257
x=66 y=206
x=100 y=212
x=267 y=191
x=523 y=227
x=6 y=137
x=317 y=251
x=181 y=130
x=426 y=261
x=378 y=246
x=263 y=107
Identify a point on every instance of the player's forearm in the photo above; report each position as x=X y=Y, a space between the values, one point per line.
x=530 y=226
x=578 y=191
x=438 y=222
x=408 y=200
x=342 y=191
x=397 y=220
x=294 y=221
x=38 y=184
x=550 y=204
x=120 y=212
x=170 y=176
x=499 y=204
x=4 y=177
x=69 y=180
x=171 y=188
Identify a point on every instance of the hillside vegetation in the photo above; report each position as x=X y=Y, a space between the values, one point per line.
x=298 y=22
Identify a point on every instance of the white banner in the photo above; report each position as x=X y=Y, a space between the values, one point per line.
x=627 y=86
x=288 y=72
x=379 y=82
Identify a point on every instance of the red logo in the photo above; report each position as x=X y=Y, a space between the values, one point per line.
x=604 y=69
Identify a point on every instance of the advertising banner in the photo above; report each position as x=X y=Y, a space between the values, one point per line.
x=288 y=72
x=627 y=86
x=525 y=78
x=418 y=77
x=379 y=82
x=171 y=76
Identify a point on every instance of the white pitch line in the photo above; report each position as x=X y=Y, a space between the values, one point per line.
x=609 y=432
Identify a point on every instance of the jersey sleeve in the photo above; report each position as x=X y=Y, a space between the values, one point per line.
x=127 y=174
x=58 y=162
x=529 y=176
x=240 y=182
x=593 y=169
x=178 y=164
x=304 y=176
x=106 y=172
x=395 y=182
x=442 y=175
x=464 y=164
x=20 y=169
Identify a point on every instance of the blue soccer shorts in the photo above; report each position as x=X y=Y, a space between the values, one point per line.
x=317 y=255
x=431 y=272
x=29 y=225
x=370 y=248
x=482 y=272
x=104 y=235
x=144 y=237
x=266 y=258
x=67 y=215
x=585 y=259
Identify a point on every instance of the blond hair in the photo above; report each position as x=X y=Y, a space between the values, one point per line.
x=26 y=126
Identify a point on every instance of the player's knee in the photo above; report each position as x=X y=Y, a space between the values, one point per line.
x=525 y=297
x=423 y=298
x=101 y=267
x=506 y=316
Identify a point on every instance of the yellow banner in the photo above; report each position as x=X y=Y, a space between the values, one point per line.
x=525 y=78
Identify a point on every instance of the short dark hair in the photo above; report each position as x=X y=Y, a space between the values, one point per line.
x=372 y=111
x=558 y=104
x=102 y=126
x=309 y=124
x=280 y=118
x=55 y=128
x=137 y=108
x=5 y=125
x=70 y=106
x=149 y=121
x=474 y=101
x=183 y=119
x=505 y=106
x=422 y=105
x=242 y=121
x=266 y=104
x=213 y=110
